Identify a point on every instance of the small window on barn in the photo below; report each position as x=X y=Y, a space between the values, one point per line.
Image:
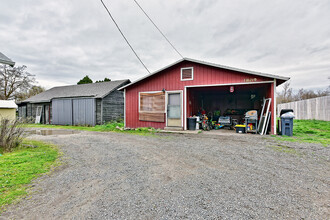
x=187 y=73
x=152 y=107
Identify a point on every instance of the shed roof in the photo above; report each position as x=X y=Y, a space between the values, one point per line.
x=93 y=90
x=281 y=78
x=5 y=60
x=7 y=104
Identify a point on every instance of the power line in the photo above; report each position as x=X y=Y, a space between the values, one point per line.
x=124 y=36
x=158 y=28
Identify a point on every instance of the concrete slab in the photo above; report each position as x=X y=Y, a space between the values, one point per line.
x=221 y=132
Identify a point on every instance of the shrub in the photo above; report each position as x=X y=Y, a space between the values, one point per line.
x=11 y=134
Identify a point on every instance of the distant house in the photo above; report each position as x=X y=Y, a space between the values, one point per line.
x=85 y=104
x=5 y=60
x=8 y=109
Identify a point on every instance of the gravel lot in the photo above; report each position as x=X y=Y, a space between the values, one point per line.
x=175 y=176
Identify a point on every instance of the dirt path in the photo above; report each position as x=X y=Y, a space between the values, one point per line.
x=122 y=176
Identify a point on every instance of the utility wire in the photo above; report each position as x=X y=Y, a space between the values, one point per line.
x=158 y=28
x=124 y=36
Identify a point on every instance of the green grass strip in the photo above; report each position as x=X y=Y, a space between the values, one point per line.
x=310 y=131
x=20 y=167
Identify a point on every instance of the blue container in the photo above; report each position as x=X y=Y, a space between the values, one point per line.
x=287 y=124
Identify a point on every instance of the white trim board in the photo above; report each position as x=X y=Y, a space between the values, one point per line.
x=185 y=109
x=229 y=84
x=274 y=105
x=124 y=108
x=192 y=73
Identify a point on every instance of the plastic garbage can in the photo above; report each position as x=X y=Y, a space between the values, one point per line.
x=283 y=111
x=192 y=123
x=287 y=123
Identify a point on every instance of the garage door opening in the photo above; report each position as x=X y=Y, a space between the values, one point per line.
x=229 y=102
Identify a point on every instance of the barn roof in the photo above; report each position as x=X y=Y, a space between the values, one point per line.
x=93 y=90
x=5 y=60
x=7 y=104
x=281 y=78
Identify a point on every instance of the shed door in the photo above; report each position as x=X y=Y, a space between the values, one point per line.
x=73 y=111
x=62 y=111
x=174 y=113
x=47 y=119
x=84 y=111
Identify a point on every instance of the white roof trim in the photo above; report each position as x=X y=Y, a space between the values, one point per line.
x=210 y=64
x=7 y=104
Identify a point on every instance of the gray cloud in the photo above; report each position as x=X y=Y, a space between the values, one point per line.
x=61 y=41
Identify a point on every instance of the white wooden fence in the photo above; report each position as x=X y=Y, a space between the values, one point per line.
x=317 y=108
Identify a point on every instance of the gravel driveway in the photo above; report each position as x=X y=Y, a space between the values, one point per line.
x=175 y=176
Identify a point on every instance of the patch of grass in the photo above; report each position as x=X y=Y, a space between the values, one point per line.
x=111 y=126
x=310 y=131
x=19 y=167
x=286 y=149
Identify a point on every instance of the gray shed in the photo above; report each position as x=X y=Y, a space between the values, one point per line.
x=86 y=104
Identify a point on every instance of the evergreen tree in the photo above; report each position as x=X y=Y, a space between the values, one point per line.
x=105 y=80
x=85 y=80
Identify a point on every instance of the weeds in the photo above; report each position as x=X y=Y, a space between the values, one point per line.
x=11 y=134
x=286 y=149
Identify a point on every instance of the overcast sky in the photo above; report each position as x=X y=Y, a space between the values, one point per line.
x=61 y=41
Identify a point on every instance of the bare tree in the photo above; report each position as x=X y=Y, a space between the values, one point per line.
x=31 y=92
x=14 y=81
x=286 y=95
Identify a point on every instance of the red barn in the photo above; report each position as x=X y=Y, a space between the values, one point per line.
x=165 y=98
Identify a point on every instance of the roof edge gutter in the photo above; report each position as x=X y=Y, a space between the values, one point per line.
x=10 y=63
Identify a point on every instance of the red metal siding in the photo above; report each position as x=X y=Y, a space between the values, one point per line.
x=170 y=80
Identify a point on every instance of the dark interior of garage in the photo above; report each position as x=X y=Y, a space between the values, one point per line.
x=232 y=101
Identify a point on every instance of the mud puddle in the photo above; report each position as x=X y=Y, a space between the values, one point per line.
x=52 y=132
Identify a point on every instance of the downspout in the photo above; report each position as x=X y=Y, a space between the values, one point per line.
x=185 y=109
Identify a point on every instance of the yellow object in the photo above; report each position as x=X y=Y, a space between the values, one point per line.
x=8 y=113
x=240 y=126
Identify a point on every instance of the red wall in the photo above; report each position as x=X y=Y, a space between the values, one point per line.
x=169 y=79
